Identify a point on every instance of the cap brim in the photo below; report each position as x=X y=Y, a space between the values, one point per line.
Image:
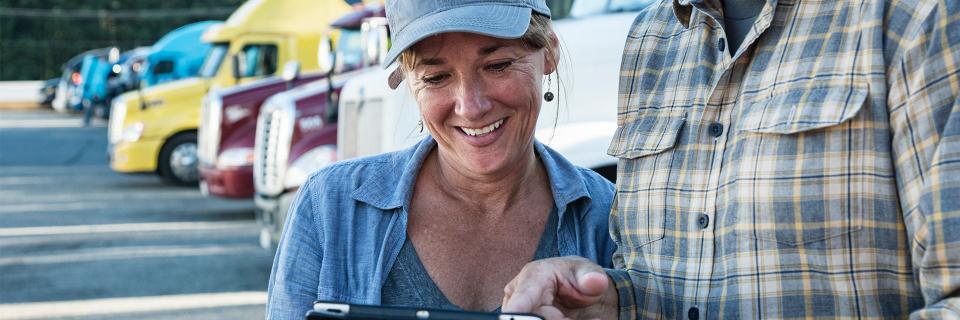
x=396 y=76
x=500 y=21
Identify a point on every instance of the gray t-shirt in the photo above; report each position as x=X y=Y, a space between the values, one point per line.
x=408 y=283
x=738 y=18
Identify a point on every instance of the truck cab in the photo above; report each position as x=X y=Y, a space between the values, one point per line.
x=229 y=116
x=177 y=55
x=297 y=129
x=156 y=131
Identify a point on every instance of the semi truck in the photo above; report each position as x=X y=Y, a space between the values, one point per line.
x=155 y=130
x=229 y=116
x=297 y=129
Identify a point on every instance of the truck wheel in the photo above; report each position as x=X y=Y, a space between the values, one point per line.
x=178 y=160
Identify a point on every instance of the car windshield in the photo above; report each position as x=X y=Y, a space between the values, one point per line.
x=212 y=63
x=349 y=48
x=585 y=8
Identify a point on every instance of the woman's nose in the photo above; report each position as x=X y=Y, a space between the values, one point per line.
x=473 y=101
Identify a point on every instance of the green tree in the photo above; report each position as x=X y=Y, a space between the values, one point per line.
x=38 y=36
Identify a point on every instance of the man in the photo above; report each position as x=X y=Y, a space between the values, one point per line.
x=812 y=170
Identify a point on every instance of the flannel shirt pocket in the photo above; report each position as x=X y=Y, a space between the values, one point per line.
x=804 y=159
x=641 y=147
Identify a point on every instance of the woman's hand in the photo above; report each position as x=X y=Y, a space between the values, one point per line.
x=562 y=288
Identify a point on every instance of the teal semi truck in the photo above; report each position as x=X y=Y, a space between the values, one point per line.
x=178 y=54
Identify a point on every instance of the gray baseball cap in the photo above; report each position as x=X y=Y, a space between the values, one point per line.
x=412 y=20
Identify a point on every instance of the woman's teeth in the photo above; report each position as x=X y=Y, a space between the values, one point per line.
x=482 y=131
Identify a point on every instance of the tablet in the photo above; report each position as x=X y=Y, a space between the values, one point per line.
x=324 y=310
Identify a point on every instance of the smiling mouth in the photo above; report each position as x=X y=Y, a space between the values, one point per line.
x=479 y=132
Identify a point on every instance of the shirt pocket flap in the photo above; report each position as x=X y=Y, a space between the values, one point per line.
x=648 y=134
x=804 y=109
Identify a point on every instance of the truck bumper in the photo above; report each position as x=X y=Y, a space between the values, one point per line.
x=271 y=212
x=229 y=183
x=140 y=156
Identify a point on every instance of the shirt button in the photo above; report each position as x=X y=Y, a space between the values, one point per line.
x=704 y=221
x=715 y=129
x=721 y=45
x=693 y=313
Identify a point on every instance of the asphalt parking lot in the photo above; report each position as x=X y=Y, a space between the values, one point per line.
x=79 y=241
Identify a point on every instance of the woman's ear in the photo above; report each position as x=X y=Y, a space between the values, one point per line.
x=551 y=55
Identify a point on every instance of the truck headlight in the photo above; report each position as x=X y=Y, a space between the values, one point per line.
x=133 y=132
x=235 y=157
x=309 y=162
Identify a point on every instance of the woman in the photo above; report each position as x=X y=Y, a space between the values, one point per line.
x=447 y=223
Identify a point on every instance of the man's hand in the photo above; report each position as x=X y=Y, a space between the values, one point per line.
x=562 y=288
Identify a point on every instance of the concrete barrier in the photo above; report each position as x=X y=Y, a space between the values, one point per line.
x=19 y=94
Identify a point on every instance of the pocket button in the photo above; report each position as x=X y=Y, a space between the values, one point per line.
x=693 y=313
x=715 y=129
x=703 y=221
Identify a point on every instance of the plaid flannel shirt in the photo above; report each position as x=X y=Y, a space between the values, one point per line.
x=815 y=173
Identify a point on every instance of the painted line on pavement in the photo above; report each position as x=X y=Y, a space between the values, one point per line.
x=134 y=305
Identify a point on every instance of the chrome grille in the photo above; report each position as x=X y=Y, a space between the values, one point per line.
x=272 y=145
x=208 y=143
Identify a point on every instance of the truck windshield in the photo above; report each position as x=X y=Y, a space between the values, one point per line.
x=212 y=63
x=349 y=49
x=584 y=8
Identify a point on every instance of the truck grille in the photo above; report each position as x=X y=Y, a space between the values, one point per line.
x=272 y=146
x=208 y=143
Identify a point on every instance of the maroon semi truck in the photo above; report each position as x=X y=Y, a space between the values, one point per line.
x=297 y=133
x=228 y=117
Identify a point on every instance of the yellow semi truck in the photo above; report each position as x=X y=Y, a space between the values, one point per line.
x=155 y=130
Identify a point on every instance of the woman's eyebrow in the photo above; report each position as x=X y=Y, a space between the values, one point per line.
x=482 y=52
x=490 y=49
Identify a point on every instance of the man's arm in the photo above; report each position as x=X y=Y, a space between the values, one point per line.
x=924 y=103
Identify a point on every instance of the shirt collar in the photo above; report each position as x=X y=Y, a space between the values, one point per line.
x=683 y=9
x=387 y=190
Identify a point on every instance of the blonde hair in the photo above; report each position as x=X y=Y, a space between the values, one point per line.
x=539 y=35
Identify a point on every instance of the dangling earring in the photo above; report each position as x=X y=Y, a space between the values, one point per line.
x=420 y=126
x=548 y=96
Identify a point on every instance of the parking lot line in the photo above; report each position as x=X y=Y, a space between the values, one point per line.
x=133 y=305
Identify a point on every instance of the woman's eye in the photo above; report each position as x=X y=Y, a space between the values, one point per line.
x=500 y=66
x=434 y=79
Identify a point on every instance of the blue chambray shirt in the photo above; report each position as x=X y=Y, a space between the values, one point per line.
x=349 y=221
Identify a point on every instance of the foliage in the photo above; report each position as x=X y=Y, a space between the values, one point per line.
x=38 y=36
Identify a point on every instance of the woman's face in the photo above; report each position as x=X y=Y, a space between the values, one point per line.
x=480 y=98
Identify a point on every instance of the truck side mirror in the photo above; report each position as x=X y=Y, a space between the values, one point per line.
x=113 y=55
x=236 y=67
x=291 y=70
x=375 y=40
x=326 y=58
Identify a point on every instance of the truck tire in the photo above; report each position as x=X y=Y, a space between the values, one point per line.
x=177 y=163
